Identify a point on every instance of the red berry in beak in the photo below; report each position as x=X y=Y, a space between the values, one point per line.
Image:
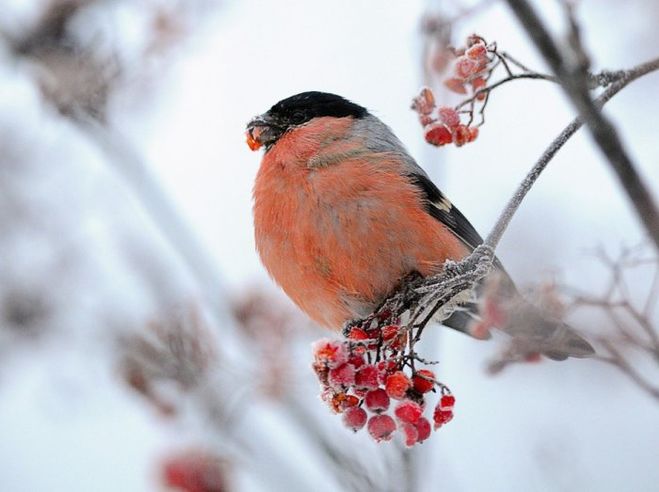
x=252 y=136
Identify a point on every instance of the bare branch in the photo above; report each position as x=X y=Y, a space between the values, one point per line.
x=633 y=328
x=501 y=225
x=571 y=70
x=509 y=78
x=617 y=360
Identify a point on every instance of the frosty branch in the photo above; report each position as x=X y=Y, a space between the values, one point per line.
x=625 y=79
x=570 y=65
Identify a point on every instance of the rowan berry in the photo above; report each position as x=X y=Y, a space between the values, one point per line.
x=381 y=427
x=449 y=116
x=397 y=385
x=355 y=418
x=377 y=400
x=423 y=381
x=408 y=411
x=438 y=134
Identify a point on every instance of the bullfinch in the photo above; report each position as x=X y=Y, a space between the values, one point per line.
x=342 y=213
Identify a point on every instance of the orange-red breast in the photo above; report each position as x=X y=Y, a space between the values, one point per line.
x=342 y=213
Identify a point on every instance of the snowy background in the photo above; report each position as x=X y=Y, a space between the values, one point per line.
x=87 y=256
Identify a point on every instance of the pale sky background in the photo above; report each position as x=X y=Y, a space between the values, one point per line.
x=555 y=427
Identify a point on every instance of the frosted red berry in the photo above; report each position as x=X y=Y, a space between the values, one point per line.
x=472 y=68
x=367 y=377
x=449 y=116
x=424 y=103
x=356 y=360
x=447 y=402
x=355 y=418
x=438 y=134
x=381 y=427
x=330 y=352
x=357 y=334
x=373 y=333
x=456 y=85
x=335 y=400
x=424 y=380
x=385 y=368
x=349 y=401
x=465 y=67
x=408 y=411
x=389 y=332
x=460 y=135
x=477 y=51
x=410 y=433
x=441 y=417
x=397 y=385
x=342 y=376
x=377 y=400
x=425 y=119
x=478 y=83
x=423 y=429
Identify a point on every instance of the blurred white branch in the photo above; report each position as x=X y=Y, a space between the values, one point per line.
x=635 y=328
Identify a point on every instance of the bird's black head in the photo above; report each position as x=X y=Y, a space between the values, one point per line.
x=295 y=111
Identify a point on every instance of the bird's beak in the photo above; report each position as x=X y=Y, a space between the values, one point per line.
x=262 y=131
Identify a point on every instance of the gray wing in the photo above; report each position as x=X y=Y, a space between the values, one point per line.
x=378 y=137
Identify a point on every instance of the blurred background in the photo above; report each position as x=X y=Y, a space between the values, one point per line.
x=142 y=345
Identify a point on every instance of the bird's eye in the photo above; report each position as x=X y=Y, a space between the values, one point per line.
x=297 y=117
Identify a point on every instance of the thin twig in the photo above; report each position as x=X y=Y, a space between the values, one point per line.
x=653 y=294
x=617 y=360
x=634 y=328
x=501 y=225
x=570 y=68
x=488 y=89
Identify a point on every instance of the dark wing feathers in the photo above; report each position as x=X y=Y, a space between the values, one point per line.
x=441 y=209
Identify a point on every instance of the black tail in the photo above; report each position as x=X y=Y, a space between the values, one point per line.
x=552 y=337
x=529 y=326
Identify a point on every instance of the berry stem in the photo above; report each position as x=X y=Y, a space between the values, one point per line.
x=488 y=89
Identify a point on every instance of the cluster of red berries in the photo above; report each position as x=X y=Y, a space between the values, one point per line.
x=445 y=127
x=361 y=375
x=471 y=68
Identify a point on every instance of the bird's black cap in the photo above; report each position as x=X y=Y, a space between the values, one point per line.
x=300 y=108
